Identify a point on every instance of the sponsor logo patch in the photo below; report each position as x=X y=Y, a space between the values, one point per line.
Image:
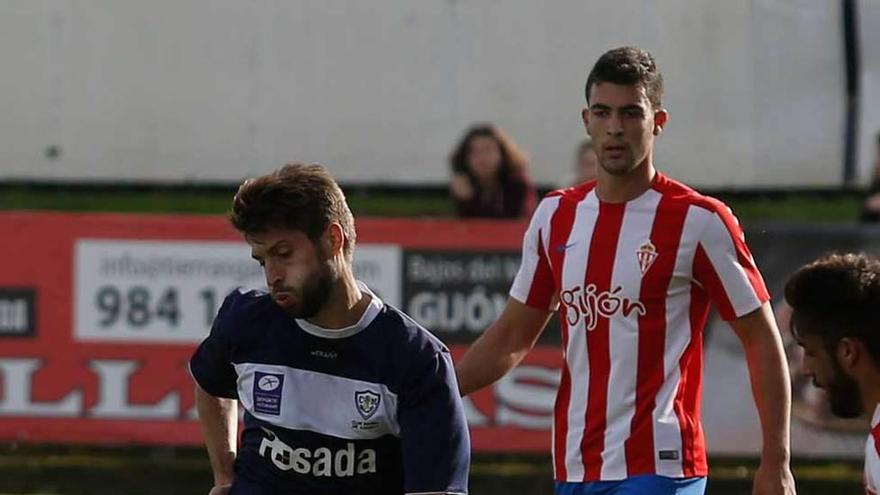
x=320 y=462
x=589 y=304
x=561 y=248
x=18 y=312
x=267 y=392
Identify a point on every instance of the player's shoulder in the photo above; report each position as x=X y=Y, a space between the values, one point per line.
x=243 y=305
x=566 y=196
x=242 y=300
x=680 y=193
x=573 y=193
x=411 y=336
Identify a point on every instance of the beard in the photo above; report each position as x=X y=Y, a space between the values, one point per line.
x=844 y=396
x=313 y=295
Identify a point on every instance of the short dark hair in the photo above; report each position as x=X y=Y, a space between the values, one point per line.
x=837 y=296
x=296 y=197
x=628 y=65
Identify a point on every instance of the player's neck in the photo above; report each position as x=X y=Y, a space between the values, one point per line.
x=345 y=306
x=622 y=188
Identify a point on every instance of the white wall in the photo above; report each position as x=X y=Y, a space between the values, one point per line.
x=869 y=125
x=380 y=91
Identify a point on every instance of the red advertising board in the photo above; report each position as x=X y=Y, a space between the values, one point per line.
x=99 y=314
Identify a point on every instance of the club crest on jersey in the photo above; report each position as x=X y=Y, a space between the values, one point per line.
x=646 y=255
x=367 y=403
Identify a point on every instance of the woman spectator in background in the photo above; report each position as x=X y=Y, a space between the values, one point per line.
x=489 y=176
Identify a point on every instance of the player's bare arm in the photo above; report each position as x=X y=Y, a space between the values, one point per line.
x=771 y=388
x=219 y=420
x=501 y=347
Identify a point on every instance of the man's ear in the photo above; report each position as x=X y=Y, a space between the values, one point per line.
x=335 y=239
x=661 y=117
x=849 y=352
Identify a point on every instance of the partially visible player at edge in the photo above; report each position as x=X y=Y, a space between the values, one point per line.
x=635 y=258
x=835 y=303
x=342 y=394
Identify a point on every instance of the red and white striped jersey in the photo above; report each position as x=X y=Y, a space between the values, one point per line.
x=633 y=282
x=872 y=456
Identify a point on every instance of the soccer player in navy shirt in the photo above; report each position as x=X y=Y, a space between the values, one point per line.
x=341 y=393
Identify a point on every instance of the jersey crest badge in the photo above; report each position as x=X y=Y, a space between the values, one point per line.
x=646 y=255
x=367 y=403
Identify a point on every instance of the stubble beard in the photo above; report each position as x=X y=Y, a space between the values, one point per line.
x=315 y=293
x=621 y=166
x=844 y=395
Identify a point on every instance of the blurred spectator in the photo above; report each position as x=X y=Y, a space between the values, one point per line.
x=871 y=206
x=489 y=176
x=586 y=163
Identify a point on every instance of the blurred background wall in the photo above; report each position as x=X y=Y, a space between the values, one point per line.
x=210 y=92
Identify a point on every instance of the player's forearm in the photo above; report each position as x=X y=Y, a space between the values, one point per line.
x=489 y=358
x=772 y=390
x=219 y=420
x=771 y=387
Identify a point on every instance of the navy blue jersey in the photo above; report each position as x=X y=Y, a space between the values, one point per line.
x=370 y=409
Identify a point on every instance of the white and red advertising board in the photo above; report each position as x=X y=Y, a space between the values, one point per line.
x=99 y=314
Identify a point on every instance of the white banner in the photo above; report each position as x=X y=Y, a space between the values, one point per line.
x=170 y=291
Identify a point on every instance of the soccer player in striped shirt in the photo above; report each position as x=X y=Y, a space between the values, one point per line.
x=342 y=394
x=631 y=262
x=835 y=303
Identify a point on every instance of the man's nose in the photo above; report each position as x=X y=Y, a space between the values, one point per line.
x=274 y=273
x=615 y=124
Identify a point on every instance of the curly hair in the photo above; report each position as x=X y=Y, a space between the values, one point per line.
x=296 y=197
x=837 y=296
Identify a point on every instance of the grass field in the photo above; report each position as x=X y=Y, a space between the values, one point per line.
x=65 y=470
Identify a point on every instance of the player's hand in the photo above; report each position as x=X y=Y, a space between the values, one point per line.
x=773 y=480
x=220 y=490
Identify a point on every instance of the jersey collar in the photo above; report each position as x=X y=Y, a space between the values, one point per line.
x=366 y=318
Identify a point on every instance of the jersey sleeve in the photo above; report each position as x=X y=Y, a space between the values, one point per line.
x=435 y=442
x=211 y=363
x=534 y=284
x=724 y=266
